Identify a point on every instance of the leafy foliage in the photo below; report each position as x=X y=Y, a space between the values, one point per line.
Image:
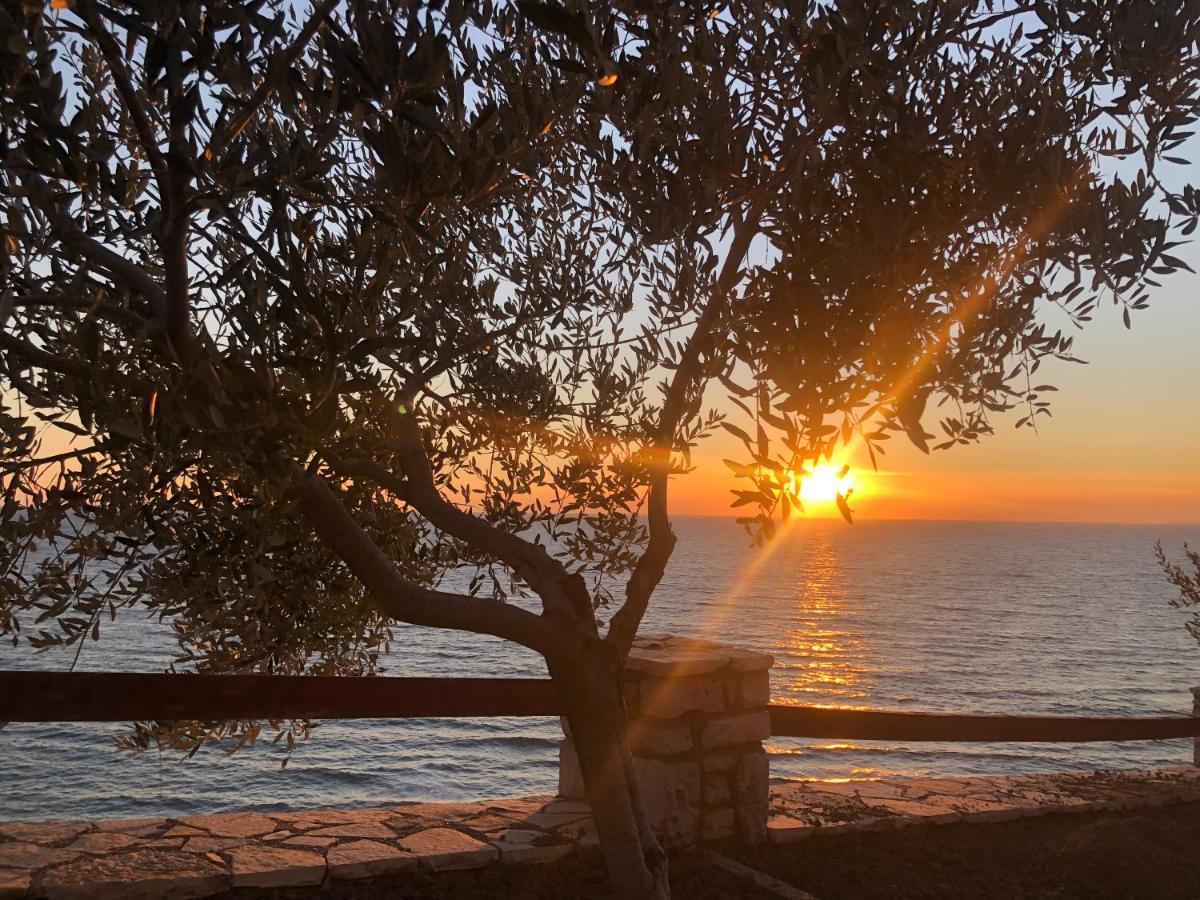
x=952 y=187
x=1188 y=584
x=316 y=320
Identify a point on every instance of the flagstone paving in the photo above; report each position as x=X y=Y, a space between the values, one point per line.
x=199 y=856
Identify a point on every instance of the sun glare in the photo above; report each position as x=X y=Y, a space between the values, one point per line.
x=824 y=482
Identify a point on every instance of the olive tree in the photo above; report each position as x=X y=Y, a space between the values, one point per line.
x=1186 y=582
x=307 y=310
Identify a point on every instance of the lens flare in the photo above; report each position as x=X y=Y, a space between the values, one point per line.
x=824 y=482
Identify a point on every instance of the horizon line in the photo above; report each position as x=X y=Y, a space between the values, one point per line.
x=799 y=518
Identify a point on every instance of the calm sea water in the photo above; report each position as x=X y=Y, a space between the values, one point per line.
x=967 y=617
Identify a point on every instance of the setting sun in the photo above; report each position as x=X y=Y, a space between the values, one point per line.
x=824 y=482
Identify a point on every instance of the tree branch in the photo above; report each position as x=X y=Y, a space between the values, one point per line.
x=118 y=268
x=176 y=226
x=416 y=382
x=366 y=470
x=653 y=562
x=44 y=359
x=65 y=456
x=400 y=598
x=124 y=83
x=103 y=310
x=222 y=136
x=562 y=593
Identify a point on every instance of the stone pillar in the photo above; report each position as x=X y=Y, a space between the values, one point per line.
x=1196 y=712
x=698 y=717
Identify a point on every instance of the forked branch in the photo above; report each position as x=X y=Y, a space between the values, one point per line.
x=544 y=574
x=395 y=595
x=225 y=132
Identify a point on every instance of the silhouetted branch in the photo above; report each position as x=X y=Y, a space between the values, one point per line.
x=44 y=359
x=65 y=456
x=133 y=101
x=222 y=136
x=394 y=594
x=653 y=562
x=97 y=307
x=118 y=268
x=544 y=574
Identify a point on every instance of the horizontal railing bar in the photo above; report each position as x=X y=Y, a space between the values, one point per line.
x=874 y=725
x=127 y=697
x=132 y=697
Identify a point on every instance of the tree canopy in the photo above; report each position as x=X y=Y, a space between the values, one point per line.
x=307 y=312
x=318 y=319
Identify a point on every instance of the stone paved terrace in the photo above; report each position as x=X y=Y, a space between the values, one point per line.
x=199 y=856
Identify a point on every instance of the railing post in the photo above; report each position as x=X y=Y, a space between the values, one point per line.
x=698 y=717
x=1196 y=712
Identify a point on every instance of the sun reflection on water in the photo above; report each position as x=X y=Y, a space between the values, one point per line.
x=823 y=660
x=823 y=656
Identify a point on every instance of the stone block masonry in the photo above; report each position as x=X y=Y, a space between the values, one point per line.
x=698 y=717
x=317 y=850
x=1196 y=712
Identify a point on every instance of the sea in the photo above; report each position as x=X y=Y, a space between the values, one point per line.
x=970 y=617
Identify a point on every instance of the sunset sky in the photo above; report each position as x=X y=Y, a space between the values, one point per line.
x=1123 y=444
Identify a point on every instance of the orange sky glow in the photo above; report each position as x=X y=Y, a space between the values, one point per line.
x=1117 y=495
x=1122 y=445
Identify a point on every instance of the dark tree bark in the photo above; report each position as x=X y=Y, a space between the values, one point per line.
x=589 y=681
x=585 y=668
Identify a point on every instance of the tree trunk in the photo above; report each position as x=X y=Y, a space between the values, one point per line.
x=590 y=684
